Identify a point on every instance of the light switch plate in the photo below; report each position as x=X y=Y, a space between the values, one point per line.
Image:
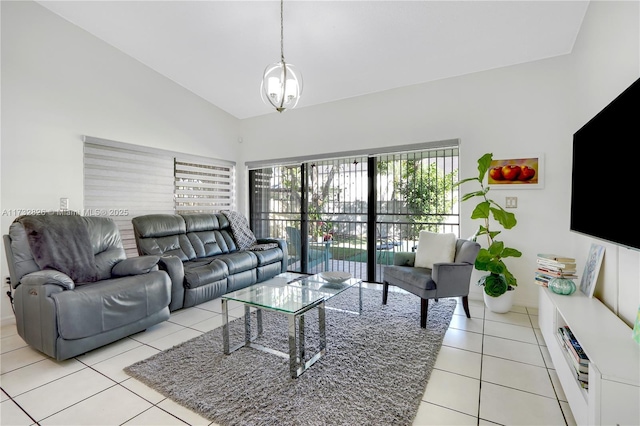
x=64 y=204
x=511 y=202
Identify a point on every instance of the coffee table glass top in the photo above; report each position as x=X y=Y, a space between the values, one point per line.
x=290 y=293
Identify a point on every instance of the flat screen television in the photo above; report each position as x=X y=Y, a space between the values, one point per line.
x=605 y=180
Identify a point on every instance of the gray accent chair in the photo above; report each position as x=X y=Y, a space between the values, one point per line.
x=62 y=318
x=444 y=280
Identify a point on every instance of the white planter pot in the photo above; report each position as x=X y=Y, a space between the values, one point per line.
x=500 y=304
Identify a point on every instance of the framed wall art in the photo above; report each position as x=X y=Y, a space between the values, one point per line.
x=525 y=172
x=592 y=269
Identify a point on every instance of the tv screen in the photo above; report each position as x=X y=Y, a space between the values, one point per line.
x=606 y=175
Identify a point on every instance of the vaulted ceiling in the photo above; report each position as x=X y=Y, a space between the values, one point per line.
x=219 y=49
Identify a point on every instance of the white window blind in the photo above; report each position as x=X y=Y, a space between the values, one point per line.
x=123 y=181
x=203 y=187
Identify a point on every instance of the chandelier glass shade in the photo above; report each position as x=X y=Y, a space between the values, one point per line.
x=281 y=86
x=281 y=82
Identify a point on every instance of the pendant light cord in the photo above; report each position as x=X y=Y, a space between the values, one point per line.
x=282 y=30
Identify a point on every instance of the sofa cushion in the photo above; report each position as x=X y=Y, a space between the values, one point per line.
x=163 y=234
x=98 y=307
x=158 y=225
x=174 y=245
x=204 y=271
x=239 y=261
x=205 y=243
x=435 y=248
x=226 y=241
x=195 y=222
x=106 y=243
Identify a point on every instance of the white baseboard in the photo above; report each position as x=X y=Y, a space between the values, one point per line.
x=5 y=321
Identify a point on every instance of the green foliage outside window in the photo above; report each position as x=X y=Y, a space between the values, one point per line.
x=426 y=189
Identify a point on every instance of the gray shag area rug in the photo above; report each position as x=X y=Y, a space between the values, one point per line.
x=374 y=372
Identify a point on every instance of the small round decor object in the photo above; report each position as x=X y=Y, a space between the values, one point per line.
x=562 y=285
x=335 y=276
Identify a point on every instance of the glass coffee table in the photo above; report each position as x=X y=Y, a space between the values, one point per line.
x=292 y=295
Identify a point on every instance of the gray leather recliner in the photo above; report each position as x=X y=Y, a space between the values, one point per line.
x=63 y=318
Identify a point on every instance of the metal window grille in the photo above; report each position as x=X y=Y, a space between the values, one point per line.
x=353 y=214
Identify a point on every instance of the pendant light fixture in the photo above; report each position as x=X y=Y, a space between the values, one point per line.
x=281 y=83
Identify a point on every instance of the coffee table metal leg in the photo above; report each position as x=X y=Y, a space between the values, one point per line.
x=321 y=326
x=247 y=324
x=225 y=327
x=293 y=359
x=301 y=338
x=297 y=363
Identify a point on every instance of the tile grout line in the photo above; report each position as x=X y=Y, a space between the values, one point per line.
x=484 y=316
x=553 y=386
x=149 y=344
x=10 y=398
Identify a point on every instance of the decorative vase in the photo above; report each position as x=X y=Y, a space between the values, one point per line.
x=562 y=285
x=500 y=304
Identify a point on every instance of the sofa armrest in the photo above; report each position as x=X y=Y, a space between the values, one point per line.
x=48 y=276
x=283 y=246
x=135 y=266
x=175 y=269
x=404 y=258
x=452 y=279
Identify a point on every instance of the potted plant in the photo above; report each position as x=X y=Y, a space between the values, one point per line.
x=500 y=281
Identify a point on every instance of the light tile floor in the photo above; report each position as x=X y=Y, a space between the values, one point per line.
x=492 y=369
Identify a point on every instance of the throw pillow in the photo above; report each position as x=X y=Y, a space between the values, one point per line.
x=240 y=229
x=435 y=248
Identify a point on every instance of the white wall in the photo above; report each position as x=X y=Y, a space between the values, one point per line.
x=511 y=112
x=525 y=109
x=58 y=83
x=606 y=60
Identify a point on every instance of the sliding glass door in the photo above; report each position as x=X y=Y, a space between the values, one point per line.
x=353 y=214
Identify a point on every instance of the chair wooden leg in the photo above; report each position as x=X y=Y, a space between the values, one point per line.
x=424 y=305
x=385 y=292
x=465 y=305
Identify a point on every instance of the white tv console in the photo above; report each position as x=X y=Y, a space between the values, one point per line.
x=613 y=395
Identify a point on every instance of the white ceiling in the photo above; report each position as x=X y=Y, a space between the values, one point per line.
x=219 y=49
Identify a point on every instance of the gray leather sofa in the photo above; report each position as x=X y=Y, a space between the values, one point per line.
x=63 y=317
x=203 y=257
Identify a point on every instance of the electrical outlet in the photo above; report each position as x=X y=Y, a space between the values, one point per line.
x=64 y=204
x=511 y=202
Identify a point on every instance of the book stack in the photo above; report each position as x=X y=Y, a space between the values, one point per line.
x=551 y=266
x=579 y=359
